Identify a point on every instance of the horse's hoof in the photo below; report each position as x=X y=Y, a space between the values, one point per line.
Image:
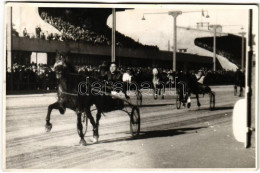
x=62 y=111
x=188 y=105
x=48 y=127
x=95 y=139
x=82 y=142
x=162 y=97
x=199 y=104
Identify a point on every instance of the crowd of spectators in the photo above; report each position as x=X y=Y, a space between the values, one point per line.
x=70 y=32
x=75 y=33
x=42 y=77
x=31 y=77
x=227 y=55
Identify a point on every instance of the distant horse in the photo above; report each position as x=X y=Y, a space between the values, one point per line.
x=194 y=87
x=69 y=97
x=239 y=82
x=158 y=84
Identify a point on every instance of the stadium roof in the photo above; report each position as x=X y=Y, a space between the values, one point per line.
x=230 y=46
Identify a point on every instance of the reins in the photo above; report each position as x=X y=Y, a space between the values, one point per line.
x=98 y=91
x=67 y=93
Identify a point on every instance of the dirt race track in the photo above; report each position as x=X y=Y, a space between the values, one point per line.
x=169 y=137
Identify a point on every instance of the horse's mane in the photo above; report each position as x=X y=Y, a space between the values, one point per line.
x=73 y=77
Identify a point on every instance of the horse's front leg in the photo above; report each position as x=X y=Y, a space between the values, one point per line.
x=80 y=127
x=235 y=90
x=187 y=99
x=96 y=133
x=155 y=90
x=92 y=121
x=241 y=91
x=163 y=92
x=125 y=89
x=48 y=125
x=198 y=102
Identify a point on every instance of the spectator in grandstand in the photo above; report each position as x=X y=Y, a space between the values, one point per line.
x=25 y=34
x=50 y=37
x=43 y=36
x=38 y=31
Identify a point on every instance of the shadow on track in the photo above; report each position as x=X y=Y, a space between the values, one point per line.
x=218 y=108
x=154 y=134
x=155 y=105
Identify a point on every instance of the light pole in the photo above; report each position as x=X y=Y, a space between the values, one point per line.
x=9 y=44
x=242 y=51
x=113 y=48
x=214 y=45
x=175 y=14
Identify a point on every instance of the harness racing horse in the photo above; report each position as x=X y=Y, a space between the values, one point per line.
x=239 y=82
x=70 y=97
x=194 y=87
x=158 y=84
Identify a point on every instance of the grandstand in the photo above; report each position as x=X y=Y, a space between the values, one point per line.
x=190 y=43
x=85 y=34
x=229 y=46
x=88 y=43
x=90 y=26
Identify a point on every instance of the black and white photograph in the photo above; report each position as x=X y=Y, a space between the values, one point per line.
x=125 y=86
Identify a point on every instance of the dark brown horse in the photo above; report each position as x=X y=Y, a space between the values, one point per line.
x=239 y=82
x=192 y=86
x=77 y=97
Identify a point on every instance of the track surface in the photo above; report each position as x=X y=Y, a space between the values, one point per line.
x=168 y=139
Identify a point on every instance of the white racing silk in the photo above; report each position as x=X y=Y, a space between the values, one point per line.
x=127 y=77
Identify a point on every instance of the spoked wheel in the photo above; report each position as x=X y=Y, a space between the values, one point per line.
x=84 y=122
x=135 y=122
x=139 y=98
x=212 y=100
x=178 y=101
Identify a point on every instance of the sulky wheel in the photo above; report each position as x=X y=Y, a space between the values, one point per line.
x=139 y=98
x=84 y=122
x=135 y=122
x=212 y=100
x=178 y=101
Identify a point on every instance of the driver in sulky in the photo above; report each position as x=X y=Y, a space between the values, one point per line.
x=200 y=80
x=115 y=80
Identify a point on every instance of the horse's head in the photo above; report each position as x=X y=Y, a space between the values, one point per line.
x=60 y=64
x=155 y=71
